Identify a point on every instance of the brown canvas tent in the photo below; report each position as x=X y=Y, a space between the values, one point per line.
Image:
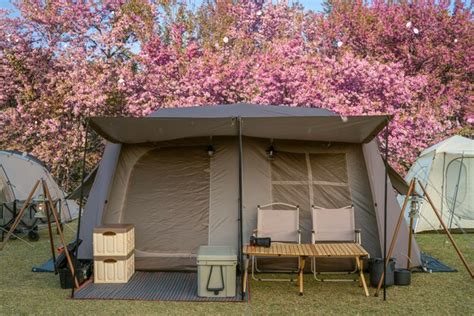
x=156 y=174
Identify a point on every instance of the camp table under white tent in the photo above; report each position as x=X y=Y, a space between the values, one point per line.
x=446 y=170
x=156 y=174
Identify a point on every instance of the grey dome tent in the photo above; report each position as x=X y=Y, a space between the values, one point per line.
x=156 y=173
x=18 y=174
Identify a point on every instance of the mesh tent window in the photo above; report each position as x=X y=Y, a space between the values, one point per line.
x=305 y=179
x=457 y=191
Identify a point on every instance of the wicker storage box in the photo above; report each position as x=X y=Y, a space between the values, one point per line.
x=114 y=269
x=114 y=240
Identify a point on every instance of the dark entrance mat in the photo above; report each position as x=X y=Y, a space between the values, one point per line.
x=152 y=286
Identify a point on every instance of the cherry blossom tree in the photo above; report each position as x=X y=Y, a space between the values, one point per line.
x=62 y=62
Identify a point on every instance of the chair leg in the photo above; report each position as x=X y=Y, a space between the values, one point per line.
x=254 y=268
x=275 y=271
x=315 y=274
x=313 y=269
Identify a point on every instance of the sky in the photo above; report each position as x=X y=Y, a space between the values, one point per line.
x=315 y=5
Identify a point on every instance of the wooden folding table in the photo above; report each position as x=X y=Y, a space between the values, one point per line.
x=303 y=251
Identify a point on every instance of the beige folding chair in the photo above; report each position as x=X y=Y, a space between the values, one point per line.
x=333 y=225
x=281 y=224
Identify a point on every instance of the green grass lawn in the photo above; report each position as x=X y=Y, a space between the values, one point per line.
x=25 y=292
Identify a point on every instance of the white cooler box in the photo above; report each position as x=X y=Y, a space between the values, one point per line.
x=216 y=271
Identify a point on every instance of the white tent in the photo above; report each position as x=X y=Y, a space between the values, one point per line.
x=447 y=172
x=18 y=174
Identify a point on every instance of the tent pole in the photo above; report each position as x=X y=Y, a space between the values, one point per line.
x=50 y=230
x=239 y=122
x=81 y=198
x=385 y=216
x=410 y=228
x=8 y=182
x=395 y=233
x=19 y=215
x=442 y=185
x=455 y=193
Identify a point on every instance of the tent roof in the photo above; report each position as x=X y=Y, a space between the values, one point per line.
x=242 y=110
x=453 y=145
x=263 y=121
x=25 y=156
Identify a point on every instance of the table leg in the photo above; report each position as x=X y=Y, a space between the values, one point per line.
x=301 y=274
x=246 y=273
x=361 y=275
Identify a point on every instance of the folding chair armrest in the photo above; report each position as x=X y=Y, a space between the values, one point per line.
x=299 y=236
x=358 y=237
x=313 y=237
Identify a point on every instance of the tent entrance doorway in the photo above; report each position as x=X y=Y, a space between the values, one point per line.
x=170 y=188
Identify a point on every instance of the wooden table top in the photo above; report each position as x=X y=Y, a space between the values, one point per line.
x=339 y=250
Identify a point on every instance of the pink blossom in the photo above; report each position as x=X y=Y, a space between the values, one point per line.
x=65 y=61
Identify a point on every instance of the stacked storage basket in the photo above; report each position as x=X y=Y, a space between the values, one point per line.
x=114 y=259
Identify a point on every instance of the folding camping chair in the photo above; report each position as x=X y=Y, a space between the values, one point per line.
x=333 y=225
x=281 y=225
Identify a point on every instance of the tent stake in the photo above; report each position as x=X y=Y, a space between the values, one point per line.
x=395 y=235
x=81 y=199
x=446 y=230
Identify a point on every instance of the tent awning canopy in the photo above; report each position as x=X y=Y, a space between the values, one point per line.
x=262 y=121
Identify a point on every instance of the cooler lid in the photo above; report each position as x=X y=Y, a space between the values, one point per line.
x=217 y=253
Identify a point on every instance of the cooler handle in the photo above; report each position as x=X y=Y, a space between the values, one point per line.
x=216 y=290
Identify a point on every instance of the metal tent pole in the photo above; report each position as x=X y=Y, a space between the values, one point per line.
x=9 y=182
x=385 y=216
x=455 y=193
x=81 y=198
x=442 y=184
x=239 y=122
